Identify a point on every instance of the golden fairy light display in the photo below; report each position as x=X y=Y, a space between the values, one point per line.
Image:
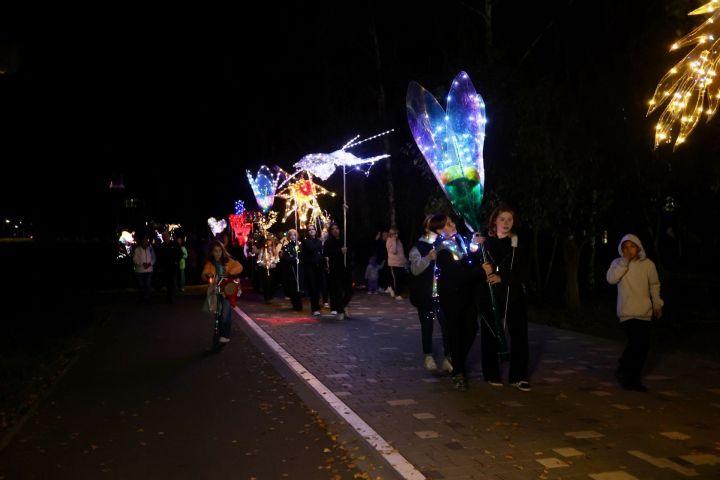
x=301 y=196
x=267 y=221
x=688 y=90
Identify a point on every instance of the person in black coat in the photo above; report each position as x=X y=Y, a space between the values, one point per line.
x=312 y=261
x=339 y=272
x=291 y=271
x=459 y=273
x=507 y=270
x=168 y=260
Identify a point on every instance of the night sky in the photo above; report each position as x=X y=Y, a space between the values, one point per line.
x=180 y=101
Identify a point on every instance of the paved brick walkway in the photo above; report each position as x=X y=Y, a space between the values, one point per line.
x=576 y=423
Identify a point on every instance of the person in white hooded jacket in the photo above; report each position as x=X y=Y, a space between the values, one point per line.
x=638 y=300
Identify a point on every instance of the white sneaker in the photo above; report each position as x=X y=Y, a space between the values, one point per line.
x=446 y=365
x=523 y=386
x=334 y=312
x=430 y=363
x=224 y=340
x=341 y=316
x=398 y=297
x=316 y=313
x=390 y=291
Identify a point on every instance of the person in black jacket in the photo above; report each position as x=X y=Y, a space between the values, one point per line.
x=311 y=259
x=291 y=271
x=168 y=261
x=423 y=295
x=459 y=272
x=507 y=270
x=339 y=272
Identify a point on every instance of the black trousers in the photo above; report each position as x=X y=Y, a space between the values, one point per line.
x=341 y=291
x=517 y=340
x=397 y=279
x=267 y=280
x=461 y=325
x=313 y=284
x=427 y=321
x=636 y=351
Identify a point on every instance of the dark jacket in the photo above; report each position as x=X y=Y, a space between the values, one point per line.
x=459 y=271
x=292 y=276
x=512 y=265
x=336 y=260
x=311 y=252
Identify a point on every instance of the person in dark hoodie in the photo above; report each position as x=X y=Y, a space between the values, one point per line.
x=638 y=301
x=459 y=272
x=507 y=270
x=423 y=295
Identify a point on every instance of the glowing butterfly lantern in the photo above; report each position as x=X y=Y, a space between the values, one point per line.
x=263 y=186
x=217 y=226
x=452 y=142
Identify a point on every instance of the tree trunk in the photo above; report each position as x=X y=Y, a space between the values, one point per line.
x=488 y=32
x=382 y=113
x=536 y=255
x=571 y=255
x=591 y=264
x=551 y=262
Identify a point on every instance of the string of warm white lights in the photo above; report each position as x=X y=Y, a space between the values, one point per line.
x=267 y=221
x=687 y=89
x=301 y=197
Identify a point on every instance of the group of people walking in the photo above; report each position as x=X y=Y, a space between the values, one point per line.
x=466 y=286
x=317 y=265
x=461 y=285
x=451 y=284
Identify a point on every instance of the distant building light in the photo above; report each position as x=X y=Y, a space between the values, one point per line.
x=117 y=184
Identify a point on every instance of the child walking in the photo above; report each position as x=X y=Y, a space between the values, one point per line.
x=372 y=274
x=638 y=300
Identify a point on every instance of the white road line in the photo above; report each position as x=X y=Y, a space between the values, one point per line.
x=406 y=469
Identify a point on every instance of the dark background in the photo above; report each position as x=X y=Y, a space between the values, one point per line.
x=177 y=102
